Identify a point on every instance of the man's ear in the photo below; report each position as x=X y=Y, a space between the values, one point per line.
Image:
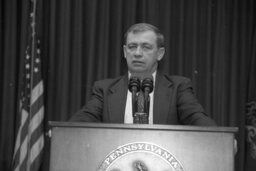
x=161 y=52
x=124 y=50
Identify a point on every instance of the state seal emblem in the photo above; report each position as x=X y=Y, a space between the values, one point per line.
x=140 y=156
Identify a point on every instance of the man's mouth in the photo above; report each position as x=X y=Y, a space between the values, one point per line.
x=137 y=62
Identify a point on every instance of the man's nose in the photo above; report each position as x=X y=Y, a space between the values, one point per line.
x=138 y=52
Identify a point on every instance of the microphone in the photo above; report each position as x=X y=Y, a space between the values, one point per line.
x=141 y=113
x=134 y=87
x=147 y=87
x=147 y=84
x=134 y=84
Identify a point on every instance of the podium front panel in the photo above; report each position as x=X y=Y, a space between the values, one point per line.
x=85 y=147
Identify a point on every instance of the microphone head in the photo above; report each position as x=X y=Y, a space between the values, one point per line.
x=134 y=84
x=147 y=84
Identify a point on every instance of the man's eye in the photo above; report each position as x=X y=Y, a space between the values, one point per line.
x=132 y=47
x=147 y=47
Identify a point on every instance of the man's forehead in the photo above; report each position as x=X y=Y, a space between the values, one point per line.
x=147 y=36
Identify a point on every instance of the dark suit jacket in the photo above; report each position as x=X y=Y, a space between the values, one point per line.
x=174 y=102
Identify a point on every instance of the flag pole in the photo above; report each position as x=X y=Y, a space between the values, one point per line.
x=33 y=36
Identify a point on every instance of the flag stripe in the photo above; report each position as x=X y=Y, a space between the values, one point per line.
x=36 y=106
x=23 y=153
x=36 y=92
x=37 y=119
x=36 y=148
x=36 y=163
x=21 y=139
x=23 y=165
x=24 y=117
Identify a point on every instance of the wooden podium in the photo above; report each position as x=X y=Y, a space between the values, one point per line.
x=125 y=147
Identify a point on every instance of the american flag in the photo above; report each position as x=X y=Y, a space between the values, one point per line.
x=30 y=136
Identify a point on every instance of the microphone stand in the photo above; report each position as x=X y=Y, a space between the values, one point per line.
x=147 y=88
x=134 y=87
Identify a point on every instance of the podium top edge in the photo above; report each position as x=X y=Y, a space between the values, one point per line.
x=53 y=124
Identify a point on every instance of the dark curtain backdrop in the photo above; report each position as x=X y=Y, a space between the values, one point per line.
x=209 y=41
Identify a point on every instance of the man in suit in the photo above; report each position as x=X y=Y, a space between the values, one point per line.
x=172 y=100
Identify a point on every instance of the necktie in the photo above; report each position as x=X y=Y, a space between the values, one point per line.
x=141 y=102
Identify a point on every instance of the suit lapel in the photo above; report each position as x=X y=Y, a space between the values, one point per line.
x=117 y=100
x=162 y=98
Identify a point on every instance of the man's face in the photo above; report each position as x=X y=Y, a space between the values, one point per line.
x=142 y=53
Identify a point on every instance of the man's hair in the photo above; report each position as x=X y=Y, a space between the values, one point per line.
x=142 y=27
